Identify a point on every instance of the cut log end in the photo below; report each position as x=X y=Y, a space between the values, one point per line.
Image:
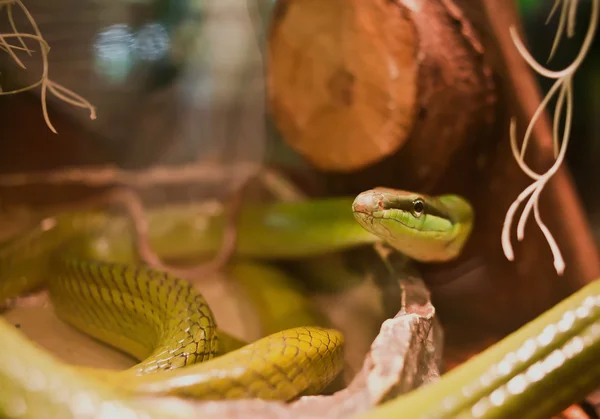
x=343 y=79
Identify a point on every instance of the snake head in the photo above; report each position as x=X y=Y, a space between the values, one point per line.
x=423 y=227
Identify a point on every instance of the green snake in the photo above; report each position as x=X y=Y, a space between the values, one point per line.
x=88 y=263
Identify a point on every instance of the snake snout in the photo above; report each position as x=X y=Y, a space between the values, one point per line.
x=366 y=202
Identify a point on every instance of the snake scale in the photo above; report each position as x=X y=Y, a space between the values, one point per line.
x=88 y=263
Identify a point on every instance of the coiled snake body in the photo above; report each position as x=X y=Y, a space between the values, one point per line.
x=88 y=262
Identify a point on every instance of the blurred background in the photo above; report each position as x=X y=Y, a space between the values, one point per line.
x=177 y=81
x=183 y=80
x=173 y=81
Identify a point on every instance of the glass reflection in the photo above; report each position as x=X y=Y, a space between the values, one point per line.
x=117 y=48
x=113 y=52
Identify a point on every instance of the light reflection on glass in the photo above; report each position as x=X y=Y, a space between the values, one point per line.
x=152 y=42
x=117 y=48
x=113 y=49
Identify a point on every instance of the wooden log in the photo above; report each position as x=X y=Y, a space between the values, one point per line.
x=351 y=81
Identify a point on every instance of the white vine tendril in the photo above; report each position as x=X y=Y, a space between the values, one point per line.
x=563 y=87
x=46 y=84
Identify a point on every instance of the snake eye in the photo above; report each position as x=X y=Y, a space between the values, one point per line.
x=418 y=207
